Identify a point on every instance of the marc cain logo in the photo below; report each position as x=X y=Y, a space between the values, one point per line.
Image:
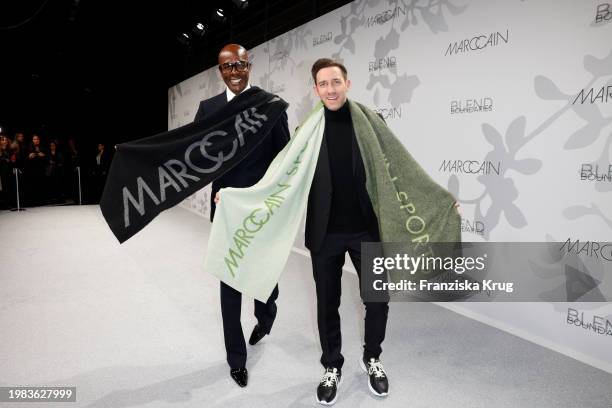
x=385 y=16
x=591 y=249
x=471 y=167
x=187 y=165
x=478 y=42
x=392 y=112
x=594 y=95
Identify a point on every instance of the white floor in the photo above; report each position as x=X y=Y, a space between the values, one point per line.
x=138 y=325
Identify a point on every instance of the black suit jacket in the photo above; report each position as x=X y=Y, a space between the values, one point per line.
x=250 y=170
x=319 y=200
x=105 y=163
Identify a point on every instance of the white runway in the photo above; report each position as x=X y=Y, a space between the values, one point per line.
x=139 y=325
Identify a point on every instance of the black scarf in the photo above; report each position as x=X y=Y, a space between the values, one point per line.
x=150 y=175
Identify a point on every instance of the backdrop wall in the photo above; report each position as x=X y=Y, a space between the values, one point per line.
x=507 y=103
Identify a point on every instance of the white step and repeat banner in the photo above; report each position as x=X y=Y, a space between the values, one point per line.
x=506 y=102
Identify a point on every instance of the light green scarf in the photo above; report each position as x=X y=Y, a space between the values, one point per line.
x=255 y=227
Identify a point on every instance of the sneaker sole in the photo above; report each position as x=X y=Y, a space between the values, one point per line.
x=372 y=390
x=332 y=402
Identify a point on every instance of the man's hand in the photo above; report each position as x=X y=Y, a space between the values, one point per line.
x=217 y=198
x=456 y=206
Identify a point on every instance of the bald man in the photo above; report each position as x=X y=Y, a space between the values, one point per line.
x=234 y=67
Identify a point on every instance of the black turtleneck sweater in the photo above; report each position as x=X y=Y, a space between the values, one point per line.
x=345 y=215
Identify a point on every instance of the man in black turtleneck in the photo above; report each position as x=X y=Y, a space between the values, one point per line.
x=345 y=216
x=340 y=217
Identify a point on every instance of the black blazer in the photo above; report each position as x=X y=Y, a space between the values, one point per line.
x=319 y=199
x=105 y=163
x=250 y=170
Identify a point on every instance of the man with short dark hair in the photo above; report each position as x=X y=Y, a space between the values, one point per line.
x=340 y=217
x=234 y=67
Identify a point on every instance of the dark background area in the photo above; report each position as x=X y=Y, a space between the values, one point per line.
x=99 y=70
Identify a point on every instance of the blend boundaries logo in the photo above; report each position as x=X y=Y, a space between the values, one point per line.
x=475 y=227
x=471 y=106
x=322 y=39
x=380 y=64
x=592 y=172
x=603 y=13
x=598 y=324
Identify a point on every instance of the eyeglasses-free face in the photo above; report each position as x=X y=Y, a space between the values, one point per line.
x=331 y=87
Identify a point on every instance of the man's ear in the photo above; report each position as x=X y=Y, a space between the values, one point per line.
x=348 y=84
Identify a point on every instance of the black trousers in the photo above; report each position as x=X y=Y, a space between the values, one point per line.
x=327 y=270
x=231 y=302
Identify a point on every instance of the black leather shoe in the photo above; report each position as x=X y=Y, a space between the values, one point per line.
x=377 y=378
x=240 y=375
x=327 y=391
x=257 y=335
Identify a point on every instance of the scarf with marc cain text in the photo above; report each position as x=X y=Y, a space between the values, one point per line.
x=255 y=227
x=150 y=175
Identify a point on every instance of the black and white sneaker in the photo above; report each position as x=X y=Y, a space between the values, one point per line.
x=327 y=391
x=377 y=378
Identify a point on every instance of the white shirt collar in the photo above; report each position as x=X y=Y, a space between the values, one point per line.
x=230 y=95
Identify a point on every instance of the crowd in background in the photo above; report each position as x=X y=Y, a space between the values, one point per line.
x=47 y=171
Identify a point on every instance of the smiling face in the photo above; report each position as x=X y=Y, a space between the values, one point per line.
x=235 y=80
x=331 y=87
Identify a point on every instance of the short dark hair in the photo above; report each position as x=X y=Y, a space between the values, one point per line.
x=326 y=63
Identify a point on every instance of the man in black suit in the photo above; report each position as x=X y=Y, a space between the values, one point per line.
x=340 y=217
x=100 y=166
x=234 y=66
